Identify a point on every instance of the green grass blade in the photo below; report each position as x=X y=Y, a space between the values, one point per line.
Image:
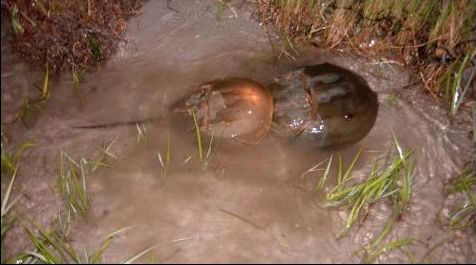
x=243 y=219
x=45 y=90
x=38 y=256
x=388 y=226
x=95 y=258
x=405 y=192
x=16 y=24
x=7 y=194
x=349 y=169
x=432 y=248
x=21 y=147
x=387 y=248
x=312 y=169
x=339 y=173
x=199 y=138
x=137 y=256
x=43 y=250
x=320 y=185
x=399 y=149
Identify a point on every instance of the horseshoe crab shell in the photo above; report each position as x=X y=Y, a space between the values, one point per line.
x=236 y=108
x=325 y=103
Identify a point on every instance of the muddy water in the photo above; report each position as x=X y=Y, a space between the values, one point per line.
x=250 y=205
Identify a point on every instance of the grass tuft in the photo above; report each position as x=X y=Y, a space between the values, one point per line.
x=387 y=248
x=71 y=181
x=50 y=247
x=10 y=161
x=72 y=188
x=101 y=159
x=390 y=181
x=455 y=89
x=463 y=214
x=435 y=38
x=7 y=222
x=211 y=150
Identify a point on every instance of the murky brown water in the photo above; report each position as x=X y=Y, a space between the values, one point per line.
x=169 y=53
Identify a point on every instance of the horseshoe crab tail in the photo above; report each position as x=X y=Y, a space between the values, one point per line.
x=116 y=124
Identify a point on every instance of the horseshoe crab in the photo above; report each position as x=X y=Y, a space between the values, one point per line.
x=236 y=108
x=324 y=103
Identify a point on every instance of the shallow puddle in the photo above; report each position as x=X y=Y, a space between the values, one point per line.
x=250 y=204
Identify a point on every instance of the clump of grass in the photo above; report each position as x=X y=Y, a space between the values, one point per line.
x=10 y=165
x=164 y=165
x=389 y=247
x=6 y=221
x=388 y=182
x=452 y=80
x=427 y=35
x=286 y=47
x=50 y=247
x=204 y=159
x=32 y=108
x=462 y=215
x=71 y=181
x=72 y=184
x=10 y=161
x=101 y=160
x=30 y=111
x=379 y=185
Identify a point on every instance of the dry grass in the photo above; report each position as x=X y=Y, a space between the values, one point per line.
x=434 y=37
x=69 y=33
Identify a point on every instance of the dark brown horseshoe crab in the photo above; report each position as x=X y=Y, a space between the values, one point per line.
x=324 y=103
